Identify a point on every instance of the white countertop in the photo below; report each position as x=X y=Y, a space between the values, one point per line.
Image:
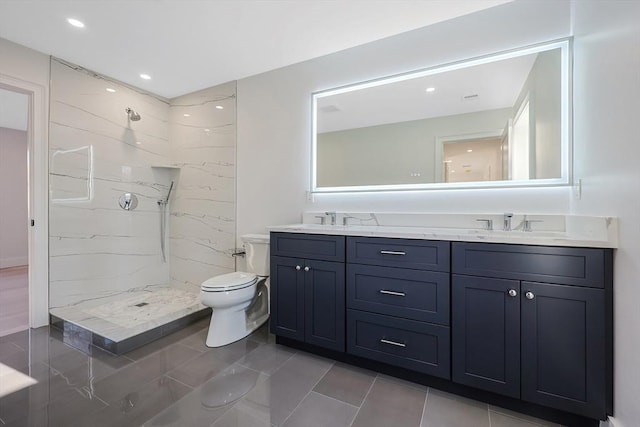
x=541 y=238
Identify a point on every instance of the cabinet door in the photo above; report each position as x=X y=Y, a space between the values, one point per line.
x=287 y=297
x=486 y=334
x=563 y=348
x=324 y=304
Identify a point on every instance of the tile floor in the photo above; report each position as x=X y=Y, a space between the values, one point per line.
x=14 y=299
x=177 y=381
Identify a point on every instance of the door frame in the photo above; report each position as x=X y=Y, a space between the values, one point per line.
x=38 y=198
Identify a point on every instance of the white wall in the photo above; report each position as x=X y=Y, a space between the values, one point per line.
x=274 y=117
x=391 y=153
x=203 y=205
x=14 y=247
x=607 y=155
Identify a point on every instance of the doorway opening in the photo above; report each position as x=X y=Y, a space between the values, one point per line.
x=14 y=211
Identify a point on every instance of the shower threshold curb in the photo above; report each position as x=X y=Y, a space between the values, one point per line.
x=85 y=336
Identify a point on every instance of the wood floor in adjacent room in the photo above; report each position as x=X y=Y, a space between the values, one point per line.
x=14 y=299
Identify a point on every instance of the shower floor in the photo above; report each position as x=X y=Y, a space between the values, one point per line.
x=132 y=319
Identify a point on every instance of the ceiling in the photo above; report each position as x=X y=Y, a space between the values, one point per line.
x=483 y=87
x=187 y=45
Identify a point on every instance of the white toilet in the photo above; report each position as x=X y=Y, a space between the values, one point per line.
x=240 y=301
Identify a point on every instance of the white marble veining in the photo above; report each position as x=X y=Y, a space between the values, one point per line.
x=96 y=154
x=552 y=230
x=203 y=210
x=118 y=318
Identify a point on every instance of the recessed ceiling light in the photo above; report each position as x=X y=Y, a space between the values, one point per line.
x=138 y=142
x=75 y=22
x=187 y=115
x=431 y=89
x=219 y=107
x=110 y=90
x=469 y=151
x=145 y=76
x=207 y=130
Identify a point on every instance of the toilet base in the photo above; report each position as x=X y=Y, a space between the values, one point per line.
x=227 y=328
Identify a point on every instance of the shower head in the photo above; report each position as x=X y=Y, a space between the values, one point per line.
x=133 y=116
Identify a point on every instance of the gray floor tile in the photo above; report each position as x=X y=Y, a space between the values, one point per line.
x=137 y=406
x=346 y=383
x=277 y=397
x=67 y=407
x=135 y=375
x=267 y=358
x=235 y=351
x=200 y=369
x=51 y=386
x=245 y=414
x=504 y=418
x=319 y=410
x=391 y=403
x=210 y=401
x=448 y=410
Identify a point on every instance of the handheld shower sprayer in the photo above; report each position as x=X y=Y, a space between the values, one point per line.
x=163 y=222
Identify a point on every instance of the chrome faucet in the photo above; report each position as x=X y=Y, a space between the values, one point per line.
x=507 y=221
x=331 y=215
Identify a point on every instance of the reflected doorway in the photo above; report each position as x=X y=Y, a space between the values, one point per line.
x=14 y=211
x=473 y=160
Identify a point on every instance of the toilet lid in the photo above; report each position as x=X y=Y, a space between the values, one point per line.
x=229 y=282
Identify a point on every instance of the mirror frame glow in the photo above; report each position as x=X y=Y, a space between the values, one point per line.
x=565 y=119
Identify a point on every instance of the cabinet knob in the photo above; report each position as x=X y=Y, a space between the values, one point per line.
x=529 y=295
x=307 y=269
x=513 y=293
x=298 y=267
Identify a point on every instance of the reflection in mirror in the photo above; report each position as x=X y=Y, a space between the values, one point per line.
x=500 y=120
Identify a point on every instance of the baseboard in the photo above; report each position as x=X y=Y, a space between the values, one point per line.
x=14 y=262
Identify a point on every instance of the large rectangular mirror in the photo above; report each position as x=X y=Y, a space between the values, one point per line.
x=499 y=120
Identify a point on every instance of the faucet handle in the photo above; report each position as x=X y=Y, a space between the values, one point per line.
x=526 y=224
x=488 y=223
x=323 y=219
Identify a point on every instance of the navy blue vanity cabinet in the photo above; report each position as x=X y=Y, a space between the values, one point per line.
x=308 y=294
x=534 y=322
x=398 y=302
x=485 y=327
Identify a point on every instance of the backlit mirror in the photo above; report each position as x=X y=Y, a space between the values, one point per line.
x=499 y=120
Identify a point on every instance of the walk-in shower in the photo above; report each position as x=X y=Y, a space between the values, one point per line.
x=109 y=274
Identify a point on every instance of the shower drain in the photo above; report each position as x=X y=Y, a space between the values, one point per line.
x=142 y=304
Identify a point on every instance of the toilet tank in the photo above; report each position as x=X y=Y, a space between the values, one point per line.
x=256 y=247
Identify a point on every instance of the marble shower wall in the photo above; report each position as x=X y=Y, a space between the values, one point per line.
x=203 y=209
x=98 y=249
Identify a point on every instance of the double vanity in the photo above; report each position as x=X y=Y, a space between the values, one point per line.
x=503 y=318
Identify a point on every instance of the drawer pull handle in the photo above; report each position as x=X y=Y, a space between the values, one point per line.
x=398 y=294
x=397 y=344
x=392 y=253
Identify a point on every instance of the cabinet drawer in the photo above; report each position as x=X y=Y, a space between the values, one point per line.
x=419 y=346
x=570 y=266
x=405 y=253
x=412 y=294
x=311 y=246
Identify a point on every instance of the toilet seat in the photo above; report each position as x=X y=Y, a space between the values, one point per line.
x=229 y=282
